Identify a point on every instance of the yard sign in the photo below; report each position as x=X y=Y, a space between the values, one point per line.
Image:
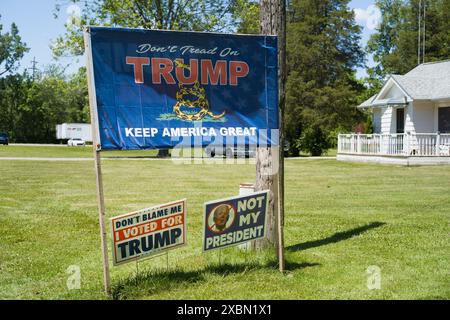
x=154 y=88
x=149 y=231
x=235 y=220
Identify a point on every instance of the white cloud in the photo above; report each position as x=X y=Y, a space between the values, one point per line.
x=369 y=17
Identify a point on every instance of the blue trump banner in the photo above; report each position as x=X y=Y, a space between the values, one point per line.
x=155 y=88
x=235 y=220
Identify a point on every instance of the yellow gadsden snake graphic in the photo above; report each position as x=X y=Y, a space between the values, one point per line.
x=184 y=99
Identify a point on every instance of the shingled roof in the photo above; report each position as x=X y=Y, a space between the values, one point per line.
x=428 y=81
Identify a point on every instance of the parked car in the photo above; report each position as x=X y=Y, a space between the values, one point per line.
x=4 y=139
x=238 y=151
x=234 y=151
x=76 y=142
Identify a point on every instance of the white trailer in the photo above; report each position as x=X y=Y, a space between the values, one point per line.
x=74 y=131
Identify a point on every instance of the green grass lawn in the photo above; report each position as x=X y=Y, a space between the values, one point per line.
x=341 y=218
x=63 y=151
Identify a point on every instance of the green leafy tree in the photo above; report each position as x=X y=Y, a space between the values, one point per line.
x=12 y=49
x=384 y=40
x=31 y=108
x=196 y=15
x=246 y=15
x=313 y=140
x=395 y=44
x=13 y=90
x=78 y=98
x=323 y=52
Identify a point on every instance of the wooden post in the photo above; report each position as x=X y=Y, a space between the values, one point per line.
x=273 y=22
x=98 y=167
x=101 y=220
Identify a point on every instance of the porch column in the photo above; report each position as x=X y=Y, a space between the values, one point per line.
x=407 y=143
x=358 y=144
x=438 y=143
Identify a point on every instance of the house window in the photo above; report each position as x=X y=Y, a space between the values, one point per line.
x=401 y=120
x=444 y=120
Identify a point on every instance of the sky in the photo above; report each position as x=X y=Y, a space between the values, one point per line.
x=38 y=28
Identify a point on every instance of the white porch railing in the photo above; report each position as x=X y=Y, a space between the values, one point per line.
x=411 y=144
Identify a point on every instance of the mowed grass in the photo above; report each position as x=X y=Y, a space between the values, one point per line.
x=64 y=151
x=341 y=219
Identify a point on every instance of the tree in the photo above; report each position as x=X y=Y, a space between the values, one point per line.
x=78 y=98
x=323 y=52
x=12 y=49
x=246 y=14
x=384 y=41
x=31 y=108
x=313 y=140
x=395 y=44
x=196 y=15
x=269 y=164
x=13 y=89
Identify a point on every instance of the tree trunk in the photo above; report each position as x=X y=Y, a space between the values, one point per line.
x=270 y=161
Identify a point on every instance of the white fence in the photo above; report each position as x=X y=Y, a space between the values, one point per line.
x=414 y=144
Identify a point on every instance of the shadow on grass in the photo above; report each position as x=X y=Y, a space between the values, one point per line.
x=149 y=282
x=228 y=268
x=337 y=237
x=152 y=281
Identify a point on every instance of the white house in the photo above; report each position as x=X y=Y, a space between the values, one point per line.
x=411 y=120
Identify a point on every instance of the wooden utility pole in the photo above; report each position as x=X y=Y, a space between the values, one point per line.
x=270 y=160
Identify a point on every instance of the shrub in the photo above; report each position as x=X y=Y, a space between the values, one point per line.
x=314 y=141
